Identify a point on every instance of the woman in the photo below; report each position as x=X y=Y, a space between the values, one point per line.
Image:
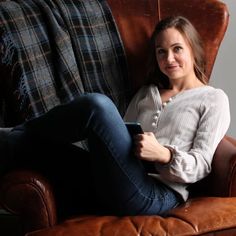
x=183 y=118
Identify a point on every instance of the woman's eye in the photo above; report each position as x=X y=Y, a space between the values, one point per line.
x=178 y=49
x=160 y=51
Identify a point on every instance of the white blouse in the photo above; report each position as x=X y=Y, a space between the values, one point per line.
x=192 y=123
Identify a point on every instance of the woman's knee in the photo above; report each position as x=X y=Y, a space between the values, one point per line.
x=96 y=101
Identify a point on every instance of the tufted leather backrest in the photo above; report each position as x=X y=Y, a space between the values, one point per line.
x=136 y=22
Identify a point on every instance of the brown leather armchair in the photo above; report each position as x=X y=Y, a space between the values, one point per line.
x=211 y=209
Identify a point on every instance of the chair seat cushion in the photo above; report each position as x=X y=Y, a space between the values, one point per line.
x=196 y=217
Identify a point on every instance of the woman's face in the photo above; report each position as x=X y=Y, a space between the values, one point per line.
x=174 y=55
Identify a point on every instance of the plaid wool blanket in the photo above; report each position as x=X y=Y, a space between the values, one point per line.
x=64 y=48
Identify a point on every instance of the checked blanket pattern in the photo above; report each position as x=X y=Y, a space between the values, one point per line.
x=63 y=48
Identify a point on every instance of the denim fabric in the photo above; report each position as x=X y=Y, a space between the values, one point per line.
x=121 y=182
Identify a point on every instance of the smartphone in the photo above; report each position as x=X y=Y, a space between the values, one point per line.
x=134 y=128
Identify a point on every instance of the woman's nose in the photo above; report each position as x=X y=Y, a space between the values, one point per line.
x=170 y=56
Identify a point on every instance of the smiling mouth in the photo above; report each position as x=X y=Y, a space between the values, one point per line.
x=173 y=67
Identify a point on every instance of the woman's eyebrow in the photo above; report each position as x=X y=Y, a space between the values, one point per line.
x=172 y=45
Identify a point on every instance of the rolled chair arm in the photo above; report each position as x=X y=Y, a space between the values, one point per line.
x=221 y=182
x=29 y=195
x=224 y=168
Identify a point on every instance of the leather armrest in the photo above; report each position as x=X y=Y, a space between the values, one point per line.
x=222 y=179
x=29 y=195
x=224 y=169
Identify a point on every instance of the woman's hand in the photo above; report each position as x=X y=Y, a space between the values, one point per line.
x=149 y=149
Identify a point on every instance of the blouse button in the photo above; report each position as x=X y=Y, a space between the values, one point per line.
x=164 y=104
x=155 y=117
x=154 y=124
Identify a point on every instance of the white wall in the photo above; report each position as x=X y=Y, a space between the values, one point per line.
x=224 y=71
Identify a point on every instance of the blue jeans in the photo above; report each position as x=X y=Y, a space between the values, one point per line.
x=121 y=181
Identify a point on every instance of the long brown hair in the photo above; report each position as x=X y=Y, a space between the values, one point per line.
x=184 y=26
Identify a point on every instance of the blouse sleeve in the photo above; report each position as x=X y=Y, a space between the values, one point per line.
x=189 y=167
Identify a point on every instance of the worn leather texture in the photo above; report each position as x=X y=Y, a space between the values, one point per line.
x=211 y=209
x=181 y=221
